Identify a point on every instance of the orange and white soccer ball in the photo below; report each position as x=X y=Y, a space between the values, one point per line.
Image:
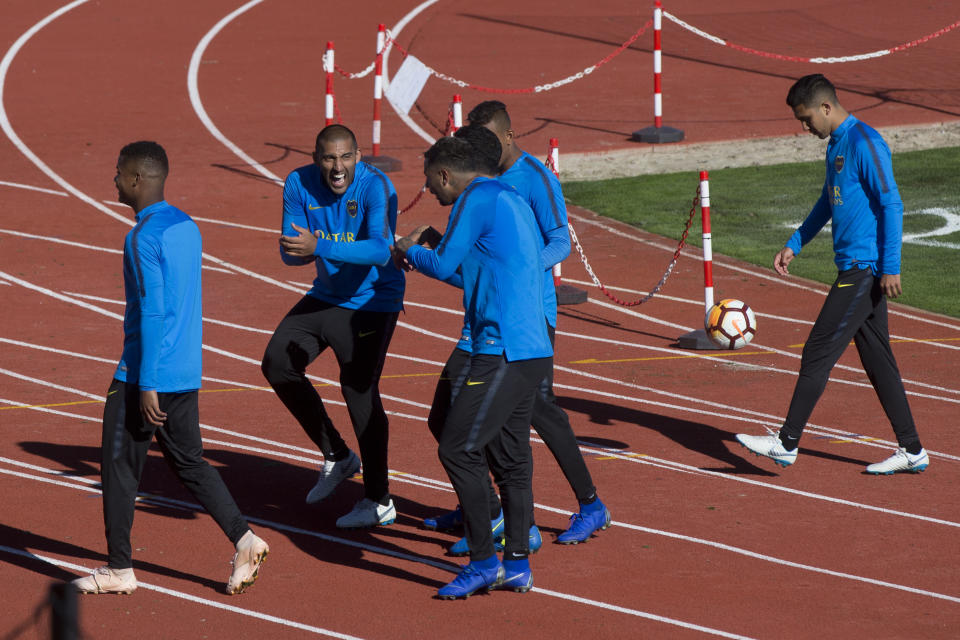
x=730 y=324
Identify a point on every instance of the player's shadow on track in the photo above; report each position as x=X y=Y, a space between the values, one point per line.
x=583 y=316
x=274 y=491
x=695 y=436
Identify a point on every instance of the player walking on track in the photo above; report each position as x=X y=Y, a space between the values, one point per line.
x=340 y=214
x=540 y=188
x=491 y=239
x=155 y=387
x=861 y=199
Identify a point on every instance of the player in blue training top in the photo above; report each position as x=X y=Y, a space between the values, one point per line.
x=492 y=239
x=340 y=214
x=154 y=391
x=861 y=199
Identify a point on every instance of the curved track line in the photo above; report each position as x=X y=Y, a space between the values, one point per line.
x=194 y=91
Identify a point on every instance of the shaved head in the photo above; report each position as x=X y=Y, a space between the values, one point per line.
x=335 y=133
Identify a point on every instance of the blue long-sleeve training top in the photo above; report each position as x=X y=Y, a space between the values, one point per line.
x=491 y=235
x=539 y=187
x=162 y=324
x=354 y=269
x=861 y=196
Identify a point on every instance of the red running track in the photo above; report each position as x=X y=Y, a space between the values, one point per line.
x=706 y=540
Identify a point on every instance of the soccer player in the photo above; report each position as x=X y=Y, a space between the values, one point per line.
x=154 y=391
x=540 y=188
x=861 y=199
x=492 y=239
x=340 y=214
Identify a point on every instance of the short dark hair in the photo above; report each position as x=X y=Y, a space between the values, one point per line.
x=456 y=154
x=811 y=89
x=147 y=152
x=335 y=132
x=490 y=111
x=485 y=143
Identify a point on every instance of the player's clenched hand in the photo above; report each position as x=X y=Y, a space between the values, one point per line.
x=890 y=285
x=150 y=408
x=427 y=236
x=782 y=259
x=301 y=245
x=399 y=253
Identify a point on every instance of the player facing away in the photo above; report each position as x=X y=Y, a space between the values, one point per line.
x=491 y=245
x=340 y=215
x=155 y=387
x=540 y=188
x=863 y=203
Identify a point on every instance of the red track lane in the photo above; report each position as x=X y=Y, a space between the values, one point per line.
x=104 y=74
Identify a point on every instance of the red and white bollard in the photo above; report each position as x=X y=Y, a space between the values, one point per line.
x=328 y=68
x=658 y=133
x=698 y=339
x=384 y=163
x=456 y=108
x=378 y=87
x=707 y=241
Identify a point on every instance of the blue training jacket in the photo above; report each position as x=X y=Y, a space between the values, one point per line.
x=162 y=324
x=491 y=235
x=354 y=269
x=862 y=198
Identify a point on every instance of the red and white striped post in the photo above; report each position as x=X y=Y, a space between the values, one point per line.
x=457 y=109
x=378 y=87
x=698 y=339
x=566 y=294
x=384 y=163
x=707 y=241
x=658 y=133
x=328 y=68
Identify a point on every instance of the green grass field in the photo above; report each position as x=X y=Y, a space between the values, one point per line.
x=754 y=210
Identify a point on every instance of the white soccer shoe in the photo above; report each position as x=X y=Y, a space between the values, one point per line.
x=252 y=550
x=331 y=475
x=368 y=513
x=901 y=461
x=107 y=580
x=769 y=446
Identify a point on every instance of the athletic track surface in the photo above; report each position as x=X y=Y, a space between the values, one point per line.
x=706 y=541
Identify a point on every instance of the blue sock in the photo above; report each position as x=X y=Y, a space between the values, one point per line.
x=516 y=566
x=487 y=564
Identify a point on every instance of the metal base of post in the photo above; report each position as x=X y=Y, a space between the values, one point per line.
x=384 y=163
x=658 y=135
x=567 y=294
x=696 y=340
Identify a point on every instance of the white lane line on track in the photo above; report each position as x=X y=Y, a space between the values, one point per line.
x=650 y=460
x=198 y=108
x=366 y=547
x=811 y=427
x=189 y=597
x=757 y=345
x=17 y=185
x=750 y=272
x=82 y=483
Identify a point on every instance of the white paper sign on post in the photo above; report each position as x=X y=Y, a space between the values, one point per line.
x=406 y=86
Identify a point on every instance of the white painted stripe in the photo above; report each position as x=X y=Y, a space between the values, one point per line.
x=71 y=243
x=250 y=613
x=17 y=185
x=195 y=100
x=236 y=224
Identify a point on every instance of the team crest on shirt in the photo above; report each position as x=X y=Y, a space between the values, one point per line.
x=838 y=164
x=352 y=208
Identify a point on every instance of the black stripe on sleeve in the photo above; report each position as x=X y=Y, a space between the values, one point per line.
x=876 y=157
x=542 y=172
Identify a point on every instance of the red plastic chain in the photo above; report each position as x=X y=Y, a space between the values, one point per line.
x=536 y=89
x=663 y=279
x=413 y=202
